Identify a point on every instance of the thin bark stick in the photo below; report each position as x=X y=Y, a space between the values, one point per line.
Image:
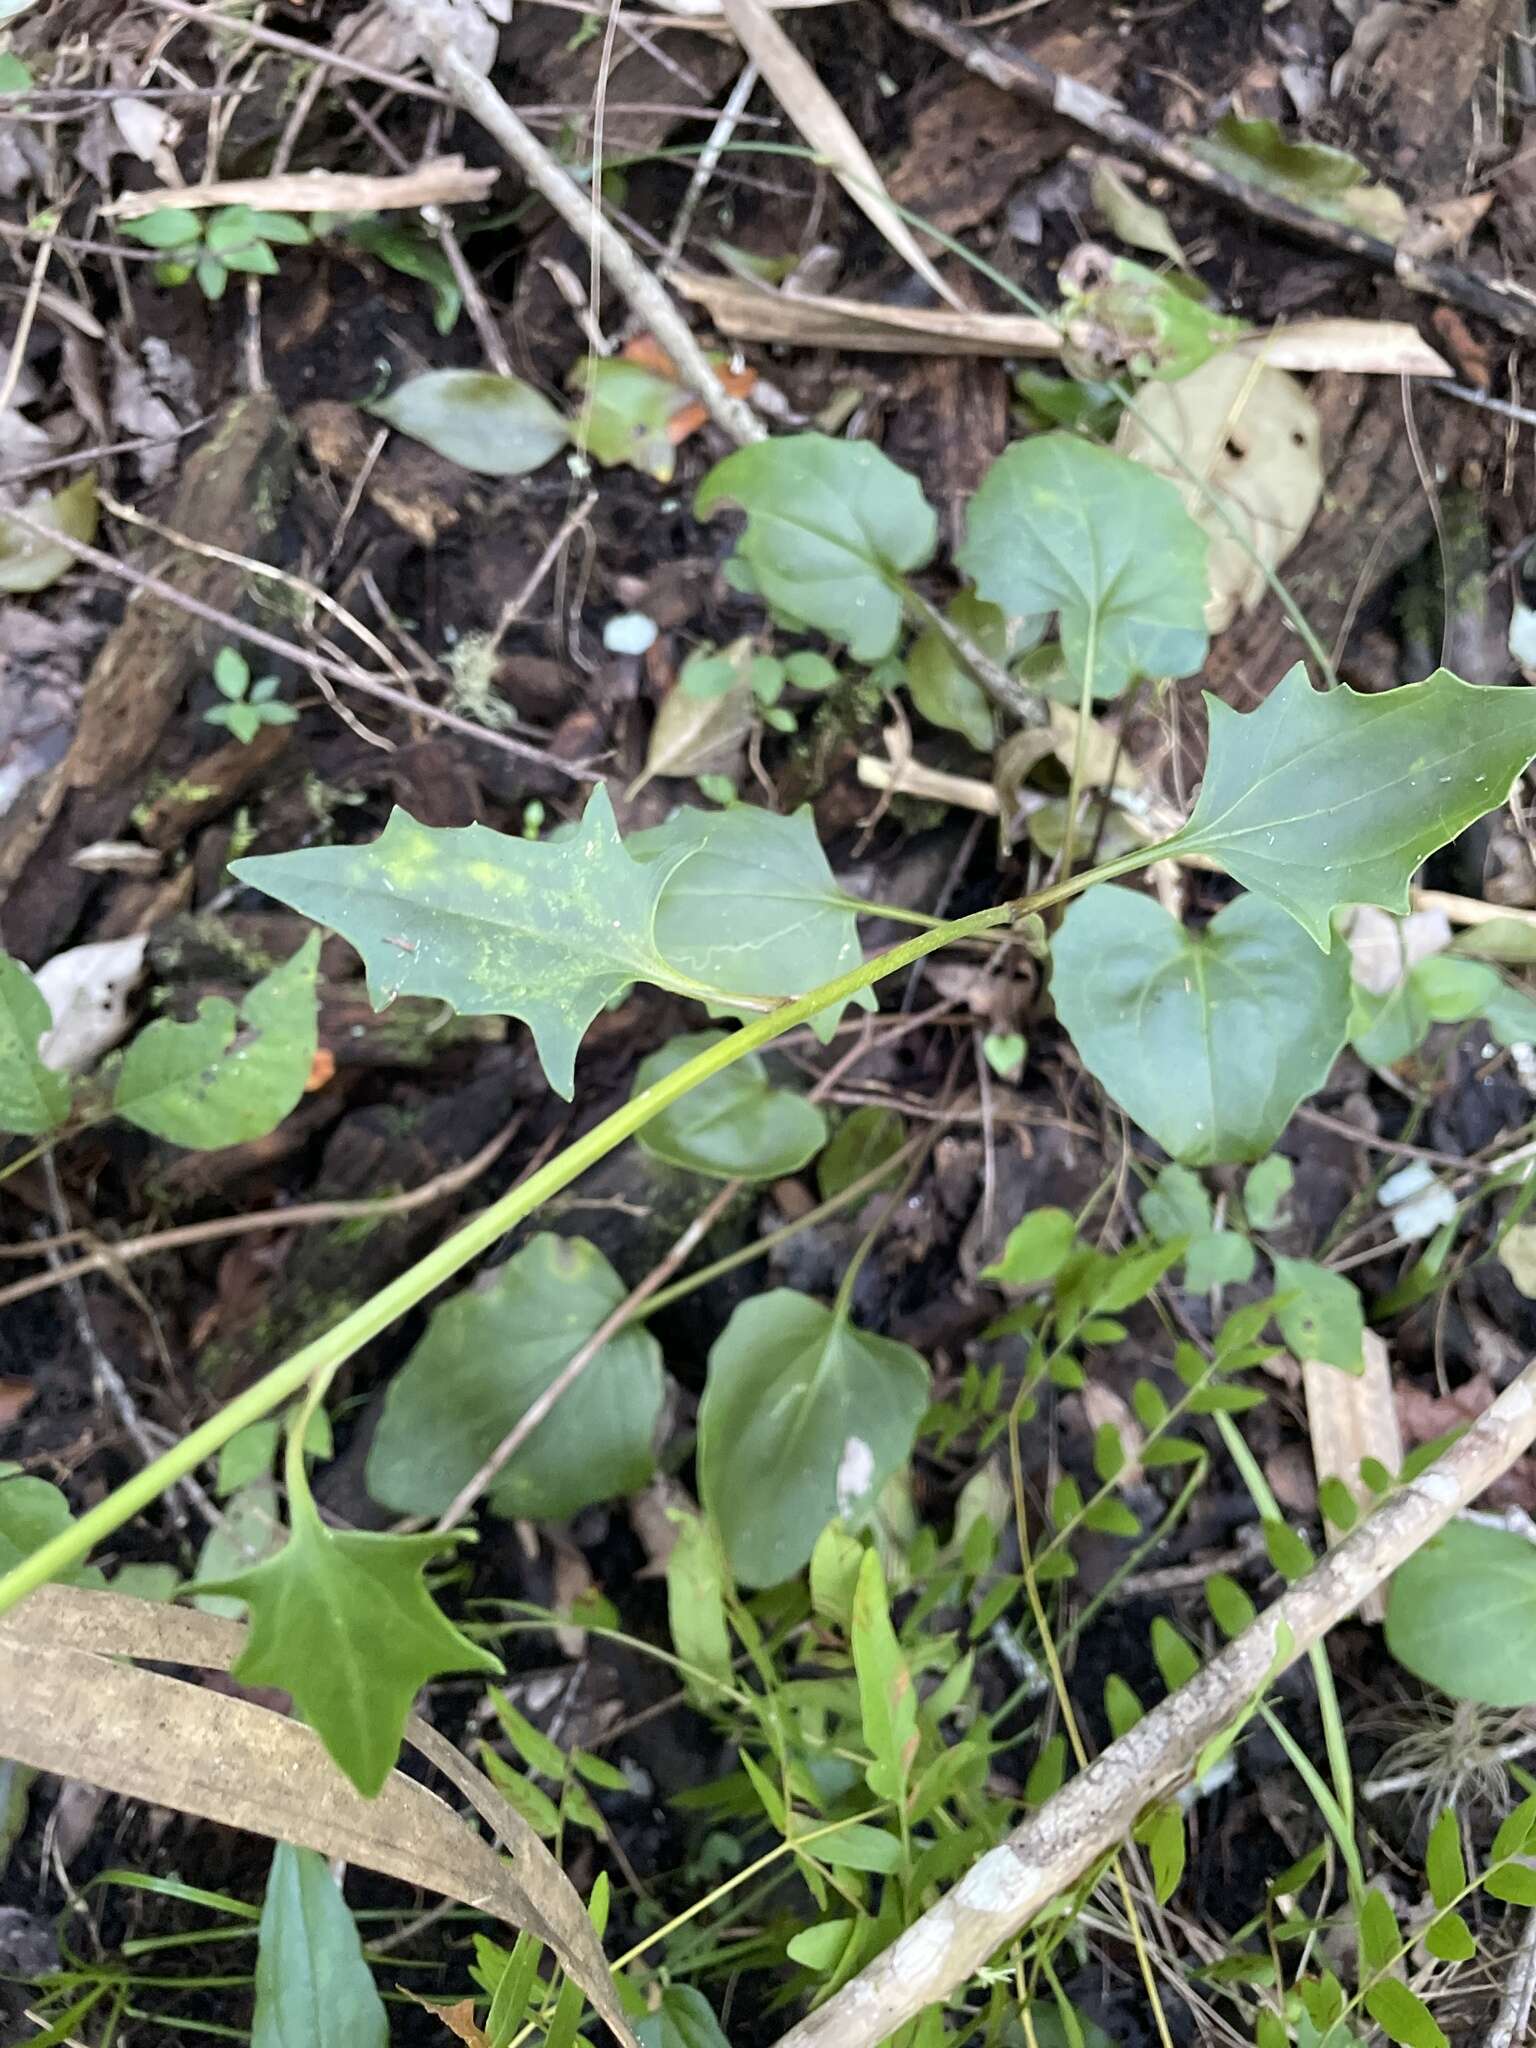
x=1097 y=1810
x=1502 y=303
x=433 y=28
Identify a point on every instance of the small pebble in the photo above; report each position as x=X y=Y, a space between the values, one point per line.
x=629 y=633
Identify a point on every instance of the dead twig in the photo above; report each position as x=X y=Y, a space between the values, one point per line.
x=1097 y=1810
x=432 y=25
x=1505 y=304
x=438 y=183
x=1519 y=1991
x=107 y=1257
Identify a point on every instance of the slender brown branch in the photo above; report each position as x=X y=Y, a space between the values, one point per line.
x=433 y=27
x=1506 y=305
x=318 y=665
x=183 y=1235
x=1097 y=1810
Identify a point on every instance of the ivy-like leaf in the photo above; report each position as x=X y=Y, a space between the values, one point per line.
x=755 y=910
x=33 y=1099
x=312 y=1984
x=734 y=1124
x=804 y=1418
x=228 y=1076
x=487 y=1355
x=1061 y=525
x=493 y=425
x=342 y=1621
x=1324 y=1317
x=1461 y=1615
x=832 y=527
x=546 y=931
x=1247 y=1016
x=1322 y=798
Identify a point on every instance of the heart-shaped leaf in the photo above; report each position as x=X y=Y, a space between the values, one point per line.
x=343 y=1621
x=1461 y=1615
x=311 y=1981
x=228 y=1076
x=1061 y=525
x=33 y=1098
x=546 y=931
x=736 y=1124
x=1207 y=1040
x=832 y=526
x=804 y=1418
x=486 y=1356
x=1325 y=797
x=496 y=426
x=755 y=910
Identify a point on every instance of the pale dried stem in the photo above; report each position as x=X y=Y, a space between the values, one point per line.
x=1096 y=1811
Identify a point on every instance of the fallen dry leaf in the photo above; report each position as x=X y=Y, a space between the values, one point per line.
x=72 y=1707
x=1250 y=433
x=16 y=1397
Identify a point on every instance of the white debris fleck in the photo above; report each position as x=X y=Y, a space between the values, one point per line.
x=629 y=633
x=855 y=1475
x=1419 y=1203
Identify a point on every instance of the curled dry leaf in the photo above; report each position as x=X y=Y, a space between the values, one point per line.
x=1250 y=434
x=74 y=1709
x=28 y=560
x=87 y=990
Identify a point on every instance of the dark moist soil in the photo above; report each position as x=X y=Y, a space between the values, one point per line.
x=428 y=556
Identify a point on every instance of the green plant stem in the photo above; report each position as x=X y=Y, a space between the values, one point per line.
x=1080 y=745
x=1334 y=1739
x=319 y=1360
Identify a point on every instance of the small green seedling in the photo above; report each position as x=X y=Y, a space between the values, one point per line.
x=716 y=671
x=248 y=706
x=209 y=246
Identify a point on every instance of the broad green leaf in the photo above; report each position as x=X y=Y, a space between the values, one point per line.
x=1177 y=1208
x=1440 y=990
x=1444 y=1864
x=626 y=409
x=312 y=1984
x=28 y=562
x=493 y=425
x=230 y=1075
x=1265 y=1191
x=832 y=527
x=1325 y=1318
x=749 y=906
x=887 y=1697
x=1036 y=1248
x=947 y=694
x=863 y=1141
x=736 y=1124
x=32 y=1512
x=487 y=1355
x=1461 y=1615
x=168 y=227
x=1247 y=1015
x=1310 y=174
x=1061 y=525
x=1325 y=797
x=548 y=931
x=342 y=1621
x=1403 y=2016
x=804 y=1418
x=33 y=1099
x=684 y=2019
x=696 y=1588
